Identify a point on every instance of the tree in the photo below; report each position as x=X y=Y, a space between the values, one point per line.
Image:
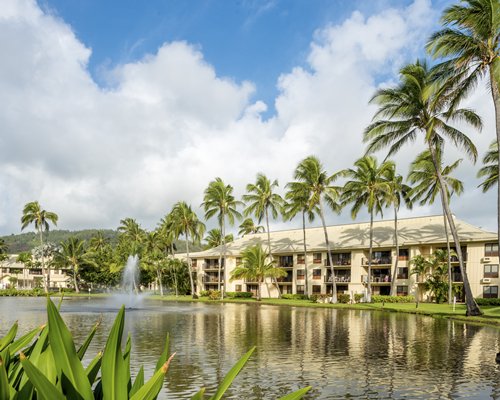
x=155 y=257
x=219 y=200
x=260 y=202
x=399 y=194
x=25 y=258
x=489 y=171
x=248 y=227
x=419 y=106
x=34 y=214
x=470 y=44
x=132 y=236
x=427 y=187
x=185 y=222
x=368 y=185
x=72 y=255
x=3 y=250
x=214 y=238
x=420 y=268
x=177 y=275
x=256 y=267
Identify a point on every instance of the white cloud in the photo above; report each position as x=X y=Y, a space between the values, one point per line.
x=168 y=124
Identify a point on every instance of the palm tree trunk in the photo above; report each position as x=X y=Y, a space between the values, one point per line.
x=495 y=93
x=275 y=281
x=330 y=258
x=223 y=241
x=158 y=273
x=258 y=290
x=396 y=263
x=472 y=307
x=306 y=291
x=448 y=249
x=47 y=278
x=77 y=289
x=190 y=268
x=370 y=251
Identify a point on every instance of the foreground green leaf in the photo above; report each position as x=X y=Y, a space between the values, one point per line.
x=46 y=390
x=296 y=395
x=150 y=390
x=9 y=337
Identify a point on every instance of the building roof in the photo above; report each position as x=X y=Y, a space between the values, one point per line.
x=411 y=231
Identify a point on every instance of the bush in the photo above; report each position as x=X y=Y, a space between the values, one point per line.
x=487 y=302
x=239 y=295
x=214 y=294
x=288 y=296
x=344 y=298
x=392 y=299
x=358 y=297
x=204 y=293
x=22 y=292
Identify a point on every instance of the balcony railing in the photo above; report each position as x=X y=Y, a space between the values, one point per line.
x=376 y=279
x=211 y=279
x=338 y=262
x=285 y=265
x=378 y=261
x=212 y=266
x=285 y=279
x=338 y=278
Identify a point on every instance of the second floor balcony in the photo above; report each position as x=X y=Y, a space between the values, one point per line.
x=383 y=279
x=338 y=278
x=382 y=260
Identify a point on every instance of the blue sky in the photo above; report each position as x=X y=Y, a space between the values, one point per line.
x=116 y=109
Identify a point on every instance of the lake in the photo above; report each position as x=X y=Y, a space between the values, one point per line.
x=341 y=353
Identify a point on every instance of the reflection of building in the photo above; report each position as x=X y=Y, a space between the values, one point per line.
x=15 y=274
x=350 y=252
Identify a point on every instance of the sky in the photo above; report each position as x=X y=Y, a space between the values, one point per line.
x=119 y=109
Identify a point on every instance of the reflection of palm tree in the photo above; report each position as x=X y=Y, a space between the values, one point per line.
x=423 y=175
x=219 y=200
x=248 y=227
x=34 y=214
x=419 y=106
x=368 y=185
x=489 y=171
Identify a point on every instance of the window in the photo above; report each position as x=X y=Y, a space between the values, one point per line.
x=403 y=273
x=286 y=261
x=316 y=273
x=491 y=249
x=300 y=274
x=341 y=259
x=404 y=254
x=300 y=289
x=317 y=258
x=301 y=259
x=238 y=288
x=402 y=290
x=316 y=289
x=491 y=271
x=490 y=292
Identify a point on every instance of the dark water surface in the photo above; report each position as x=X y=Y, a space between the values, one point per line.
x=341 y=353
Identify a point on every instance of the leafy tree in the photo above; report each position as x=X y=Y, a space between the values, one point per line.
x=248 y=227
x=177 y=275
x=489 y=171
x=155 y=256
x=34 y=214
x=256 y=267
x=219 y=200
x=3 y=250
x=418 y=106
x=214 y=238
x=368 y=185
x=131 y=238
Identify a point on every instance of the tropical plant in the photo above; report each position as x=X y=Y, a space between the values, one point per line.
x=218 y=200
x=489 y=171
x=132 y=236
x=177 y=275
x=185 y=222
x=255 y=267
x=214 y=238
x=318 y=187
x=34 y=214
x=418 y=106
x=427 y=187
x=368 y=185
x=420 y=268
x=3 y=250
x=248 y=227
x=155 y=256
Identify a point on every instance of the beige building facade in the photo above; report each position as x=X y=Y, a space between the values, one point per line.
x=350 y=252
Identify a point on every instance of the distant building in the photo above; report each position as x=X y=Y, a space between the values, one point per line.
x=350 y=246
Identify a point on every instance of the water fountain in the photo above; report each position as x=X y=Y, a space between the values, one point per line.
x=129 y=294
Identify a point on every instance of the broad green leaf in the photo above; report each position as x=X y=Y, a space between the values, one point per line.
x=114 y=375
x=199 y=395
x=68 y=364
x=126 y=359
x=83 y=348
x=228 y=379
x=93 y=368
x=150 y=390
x=4 y=382
x=164 y=355
x=46 y=390
x=138 y=383
x=296 y=395
x=24 y=340
x=9 y=337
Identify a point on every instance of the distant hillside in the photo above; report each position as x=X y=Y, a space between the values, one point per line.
x=27 y=241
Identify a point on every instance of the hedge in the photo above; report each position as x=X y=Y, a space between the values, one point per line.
x=392 y=299
x=487 y=302
x=288 y=296
x=22 y=293
x=239 y=295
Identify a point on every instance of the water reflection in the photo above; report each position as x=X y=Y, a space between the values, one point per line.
x=341 y=353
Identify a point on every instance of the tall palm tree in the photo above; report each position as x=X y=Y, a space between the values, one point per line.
x=421 y=267
x=489 y=170
x=3 y=250
x=132 y=234
x=219 y=200
x=214 y=238
x=318 y=186
x=261 y=200
x=34 y=214
x=423 y=175
x=470 y=44
x=418 y=106
x=98 y=241
x=72 y=254
x=256 y=267
x=399 y=194
x=297 y=200
x=368 y=185
x=186 y=223
x=154 y=255
x=248 y=227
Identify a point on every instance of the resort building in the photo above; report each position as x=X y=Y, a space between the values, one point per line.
x=350 y=251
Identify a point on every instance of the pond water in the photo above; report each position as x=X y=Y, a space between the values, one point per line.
x=341 y=353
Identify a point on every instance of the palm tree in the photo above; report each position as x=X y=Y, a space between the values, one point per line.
x=185 y=222
x=98 y=242
x=319 y=188
x=132 y=234
x=248 y=227
x=3 y=250
x=399 y=193
x=420 y=268
x=297 y=200
x=256 y=267
x=368 y=185
x=214 y=238
x=72 y=255
x=423 y=175
x=489 y=171
x=261 y=200
x=34 y=214
x=420 y=106
x=470 y=42
x=155 y=256
x=219 y=200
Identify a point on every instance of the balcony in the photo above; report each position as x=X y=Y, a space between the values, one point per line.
x=338 y=278
x=285 y=279
x=457 y=277
x=285 y=261
x=211 y=279
x=378 y=261
x=343 y=262
x=212 y=266
x=376 y=279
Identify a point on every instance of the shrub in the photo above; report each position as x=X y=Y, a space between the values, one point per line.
x=204 y=293
x=214 y=294
x=392 y=299
x=358 y=297
x=288 y=296
x=22 y=292
x=344 y=298
x=239 y=295
x=487 y=302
